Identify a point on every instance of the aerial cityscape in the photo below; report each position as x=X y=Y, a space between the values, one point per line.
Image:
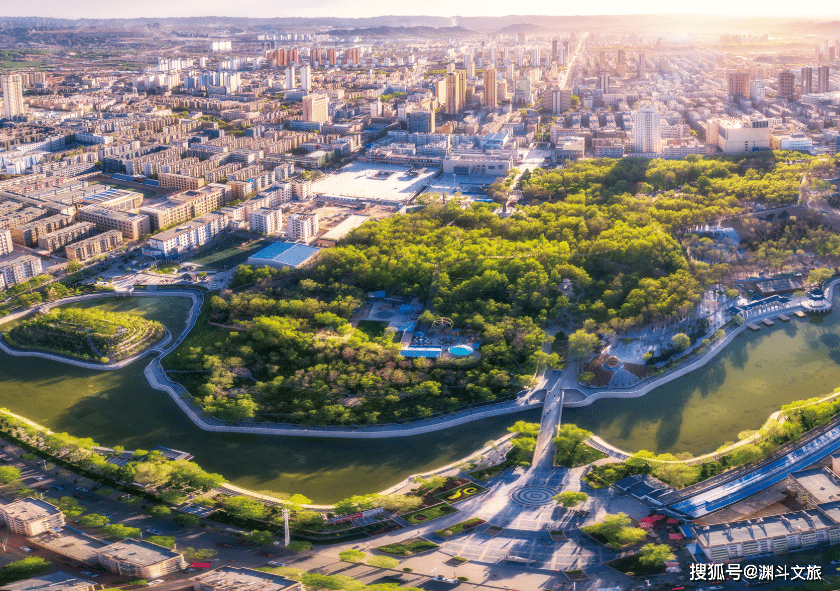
x=317 y=297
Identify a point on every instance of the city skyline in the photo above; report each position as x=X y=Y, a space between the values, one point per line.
x=81 y=9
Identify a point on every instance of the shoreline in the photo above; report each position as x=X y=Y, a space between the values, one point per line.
x=158 y=380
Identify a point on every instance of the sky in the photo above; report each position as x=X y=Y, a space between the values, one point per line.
x=354 y=8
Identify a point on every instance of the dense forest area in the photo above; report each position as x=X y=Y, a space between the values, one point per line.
x=297 y=358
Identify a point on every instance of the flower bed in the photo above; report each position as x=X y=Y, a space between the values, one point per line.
x=461 y=493
x=429 y=513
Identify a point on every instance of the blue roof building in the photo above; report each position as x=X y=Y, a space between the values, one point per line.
x=283 y=254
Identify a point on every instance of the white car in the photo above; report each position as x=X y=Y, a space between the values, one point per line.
x=443 y=579
x=39 y=478
x=26 y=548
x=273 y=563
x=155 y=582
x=155 y=532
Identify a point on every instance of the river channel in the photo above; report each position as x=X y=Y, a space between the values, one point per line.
x=754 y=376
x=120 y=408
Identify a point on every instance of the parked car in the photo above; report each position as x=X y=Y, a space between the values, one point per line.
x=224 y=545
x=26 y=548
x=155 y=582
x=273 y=563
x=154 y=532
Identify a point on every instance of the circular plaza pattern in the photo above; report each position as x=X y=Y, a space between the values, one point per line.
x=533 y=496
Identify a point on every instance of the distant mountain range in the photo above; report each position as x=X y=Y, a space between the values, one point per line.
x=438 y=26
x=399 y=32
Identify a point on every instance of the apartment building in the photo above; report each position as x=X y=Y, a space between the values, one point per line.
x=31 y=517
x=116 y=199
x=302 y=189
x=302 y=226
x=58 y=581
x=28 y=234
x=233 y=578
x=132 y=225
x=316 y=108
x=140 y=559
x=12 y=95
x=91 y=247
x=20 y=217
x=185 y=206
x=20 y=269
x=189 y=235
x=182 y=182
x=266 y=221
x=58 y=239
x=6 y=244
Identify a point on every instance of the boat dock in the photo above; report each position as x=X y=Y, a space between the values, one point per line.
x=784 y=318
x=800 y=314
x=767 y=322
x=753 y=327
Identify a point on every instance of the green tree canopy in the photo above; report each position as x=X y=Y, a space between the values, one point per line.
x=260 y=537
x=571 y=498
x=652 y=554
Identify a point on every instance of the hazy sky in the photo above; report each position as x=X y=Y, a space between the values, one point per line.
x=356 y=8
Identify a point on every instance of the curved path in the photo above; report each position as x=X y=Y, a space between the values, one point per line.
x=154 y=348
x=714 y=348
x=158 y=380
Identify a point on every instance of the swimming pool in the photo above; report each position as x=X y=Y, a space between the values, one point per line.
x=461 y=350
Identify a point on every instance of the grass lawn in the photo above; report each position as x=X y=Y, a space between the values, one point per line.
x=490 y=471
x=631 y=564
x=583 y=455
x=459 y=527
x=464 y=491
x=408 y=547
x=429 y=513
x=228 y=254
x=373 y=328
x=200 y=336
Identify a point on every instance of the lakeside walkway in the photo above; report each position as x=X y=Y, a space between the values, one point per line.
x=158 y=380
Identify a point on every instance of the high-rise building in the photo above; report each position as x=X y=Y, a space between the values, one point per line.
x=603 y=80
x=422 y=121
x=331 y=56
x=535 y=58
x=621 y=58
x=519 y=57
x=787 y=87
x=738 y=84
x=509 y=72
x=314 y=56
x=12 y=95
x=822 y=78
x=316 y=108
x=647 y=128
x=807 y=80
x=602 y=60
x=491 y=98
x=352 y=56
x=554 y=44
x=561 y=100
x=306 y=78
x=290 y=78
x=641 y=70
x=456 y=90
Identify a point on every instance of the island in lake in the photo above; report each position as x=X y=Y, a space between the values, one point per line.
x=86 y=334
